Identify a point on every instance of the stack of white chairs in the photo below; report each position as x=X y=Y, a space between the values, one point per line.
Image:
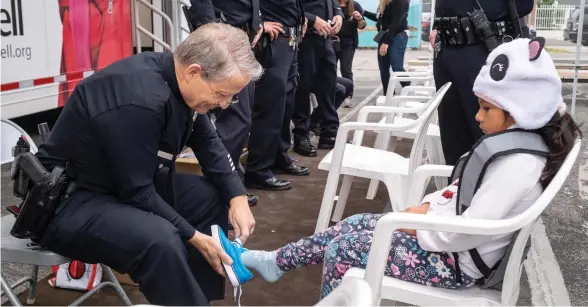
x=357 y=160
x=422 y=87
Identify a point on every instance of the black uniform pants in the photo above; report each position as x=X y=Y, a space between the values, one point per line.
x=234 y=123
x=345 y=58
x=459 y=128
x=344 y=87
x=269 y=140
x=98 y=228
x=318 y=67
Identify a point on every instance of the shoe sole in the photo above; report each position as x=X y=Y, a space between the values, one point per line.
x=305 y=154
x=279 y=171
x=228 y=269
x=259 y=187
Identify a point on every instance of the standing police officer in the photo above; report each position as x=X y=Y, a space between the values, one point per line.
x=463 y=40
x=232 y=124
x=274 y=97
x=318 y=63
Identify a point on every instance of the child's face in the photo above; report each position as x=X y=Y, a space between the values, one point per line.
x=491 y=118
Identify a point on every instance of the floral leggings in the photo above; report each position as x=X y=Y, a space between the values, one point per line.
x=347 y=244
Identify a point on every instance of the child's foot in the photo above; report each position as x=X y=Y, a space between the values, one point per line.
x=238 y=274
x=264 y=263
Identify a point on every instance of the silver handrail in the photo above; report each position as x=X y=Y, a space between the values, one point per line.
x=180 y=15
x=140 y=29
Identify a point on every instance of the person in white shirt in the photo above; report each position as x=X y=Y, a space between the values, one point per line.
x=517 y=88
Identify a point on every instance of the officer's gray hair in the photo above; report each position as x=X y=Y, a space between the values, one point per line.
x=223 y=51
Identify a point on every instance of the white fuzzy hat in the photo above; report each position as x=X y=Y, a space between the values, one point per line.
x=520 y=78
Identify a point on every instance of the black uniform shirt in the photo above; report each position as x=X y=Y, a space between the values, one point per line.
x=348 y=32
x=236 y=12
x=122 y=124
x=494 y=9
x=320 y=8
x=286 y=12
x=394 y=19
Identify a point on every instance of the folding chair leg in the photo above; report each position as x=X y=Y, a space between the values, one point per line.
x=7 y=289
x=33 y=285
x=113 y=282
x=119 y=289
x=342 y=199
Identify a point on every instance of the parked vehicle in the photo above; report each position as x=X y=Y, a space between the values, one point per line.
x=47 y=49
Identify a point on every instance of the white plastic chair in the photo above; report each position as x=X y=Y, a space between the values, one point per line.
x=421 y=84
x=355 y=160
x=350 y=292
x=24 y=252
x=412 y=97
x=412 y=293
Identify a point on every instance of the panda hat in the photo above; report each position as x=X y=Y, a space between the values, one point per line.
x=520 y=78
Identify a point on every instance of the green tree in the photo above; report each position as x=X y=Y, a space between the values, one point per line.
x=546 y=2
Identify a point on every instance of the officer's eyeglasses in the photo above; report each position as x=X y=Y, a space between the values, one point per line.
x=215 y=96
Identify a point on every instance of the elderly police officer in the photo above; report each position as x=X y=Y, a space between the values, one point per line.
x=461 y=49
x=318 y=63
x=274 y=97
x=233 y=123
x=119 y=135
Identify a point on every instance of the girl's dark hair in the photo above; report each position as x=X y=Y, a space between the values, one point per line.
x=560 y=134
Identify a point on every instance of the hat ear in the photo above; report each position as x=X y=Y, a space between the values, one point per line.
x=535 y=47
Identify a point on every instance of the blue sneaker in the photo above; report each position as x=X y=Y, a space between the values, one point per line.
x=237 y=272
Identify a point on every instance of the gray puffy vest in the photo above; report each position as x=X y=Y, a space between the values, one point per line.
x=470 y=170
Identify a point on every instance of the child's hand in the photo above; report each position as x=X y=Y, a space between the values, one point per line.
x=422 y=209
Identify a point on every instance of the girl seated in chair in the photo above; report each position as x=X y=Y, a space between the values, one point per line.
x=517 y=88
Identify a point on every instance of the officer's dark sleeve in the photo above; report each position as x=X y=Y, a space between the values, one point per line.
x=358 y=8
x=371 y=16
x=130 y=137
x=337 y=11
x=311 y=19
x=215 y=159
x=399 y=8
x=524 y=7
x=201 y=12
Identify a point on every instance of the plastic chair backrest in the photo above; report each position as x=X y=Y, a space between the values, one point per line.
x=416 y=153
x=10 y=134
x=511 y=282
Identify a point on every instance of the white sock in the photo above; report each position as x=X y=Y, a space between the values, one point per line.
x=264 y=263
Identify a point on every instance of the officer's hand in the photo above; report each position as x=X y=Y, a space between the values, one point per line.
x=257 y=36
x=322 y=27
x=212 y=251
x=357 y=15
x=304 y=26
x=273 y=29
x=432 y=37
x=383 y=49
x=337 y=23
x=241 y=217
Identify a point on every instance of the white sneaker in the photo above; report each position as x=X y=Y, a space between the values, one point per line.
x=347 y=102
